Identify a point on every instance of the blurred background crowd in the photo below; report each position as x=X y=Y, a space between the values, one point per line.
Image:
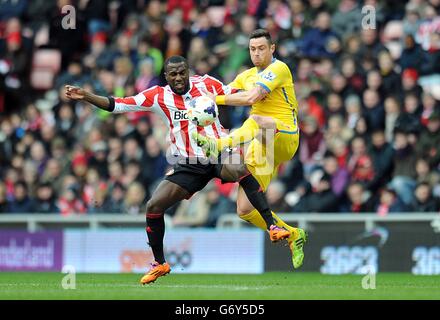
x=368 y=102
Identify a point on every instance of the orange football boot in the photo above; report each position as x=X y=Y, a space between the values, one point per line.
x=157 y=270
x=276 y=233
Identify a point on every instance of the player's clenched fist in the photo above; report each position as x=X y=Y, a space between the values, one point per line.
x=75 y=93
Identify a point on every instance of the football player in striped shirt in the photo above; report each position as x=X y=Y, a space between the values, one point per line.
x=192 y=170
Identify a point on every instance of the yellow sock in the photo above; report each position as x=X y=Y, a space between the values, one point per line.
x=242 y=135
x=255 y=218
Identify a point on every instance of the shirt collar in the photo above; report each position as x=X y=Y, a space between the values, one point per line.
x=272 y=61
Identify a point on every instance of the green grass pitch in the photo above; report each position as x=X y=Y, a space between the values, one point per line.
x=272 y=285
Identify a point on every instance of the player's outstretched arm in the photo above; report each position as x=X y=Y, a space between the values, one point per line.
x=77 y=93
x=243 y=98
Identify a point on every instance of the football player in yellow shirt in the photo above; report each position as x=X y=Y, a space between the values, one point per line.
x=271 y=129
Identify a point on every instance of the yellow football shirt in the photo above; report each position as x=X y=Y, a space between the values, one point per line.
x=276 y=79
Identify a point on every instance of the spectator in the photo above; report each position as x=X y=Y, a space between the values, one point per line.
x=347 y=84
x=409 y=83
x=114 y=202
x=359 y=200
x=382 y=155
x=98 y=160
x=70 y=202
x=3 y=199
x=374 y=110
x=116 y=172
x=322 y=199
x=66 y=123
x=370 y=45
x=425 y=174
x=53 y=174
x=146 y=78
x=134 y=201
x=392 y=112
x=390 y=202
x=315 y=41
x=430 y=104
x=218 y=206
x=337 y=130
x=80 y=166
x=154 y=163
x=374 y=83
x=123 y=128
x=412 y=56
x=346 y=18
x=275 y=197
x=75 y=75
x=429 y=142
x=48 y=134
x=339 y=175
x=21 y=202
x=315 y=8
x=355 y=81
x=236 y=49
x=335 y=106
x=133 y=173
x=30 y=177
x=93 y=191
x=312 y=144
x=360 y=163
x=45 y=201
x=115 y=150
x=404 y=173
x=390 y=79
x=8 y=140
x=38 y=157
x=423 y=199
x=411 y=21
x=12 y=8
x=146 y=51
x=205 y=207
x=123 y=73
x=353 y=110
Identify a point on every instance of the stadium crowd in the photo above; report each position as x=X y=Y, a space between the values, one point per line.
x=368 y=103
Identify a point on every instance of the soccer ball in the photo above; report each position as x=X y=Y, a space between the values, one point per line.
x=202 y=111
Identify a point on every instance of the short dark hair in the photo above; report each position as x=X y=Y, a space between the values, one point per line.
x=175 y=59
x=261 y=33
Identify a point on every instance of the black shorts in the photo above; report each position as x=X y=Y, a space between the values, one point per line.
x=193 y=177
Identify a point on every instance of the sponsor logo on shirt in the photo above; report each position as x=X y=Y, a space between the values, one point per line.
x=180 y=115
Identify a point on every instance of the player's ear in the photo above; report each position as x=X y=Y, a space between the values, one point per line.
x=272 y=47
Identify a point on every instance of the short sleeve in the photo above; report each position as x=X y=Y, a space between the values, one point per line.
x=272 y=77
x=237 y=83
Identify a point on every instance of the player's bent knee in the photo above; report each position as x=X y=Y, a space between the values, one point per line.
x=153 y=205
x=234 y=173
x=241 y=171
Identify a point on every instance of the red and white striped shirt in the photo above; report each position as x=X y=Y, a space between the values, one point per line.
x=172 y=108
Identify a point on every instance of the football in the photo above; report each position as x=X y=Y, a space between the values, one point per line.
x=202 y=111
